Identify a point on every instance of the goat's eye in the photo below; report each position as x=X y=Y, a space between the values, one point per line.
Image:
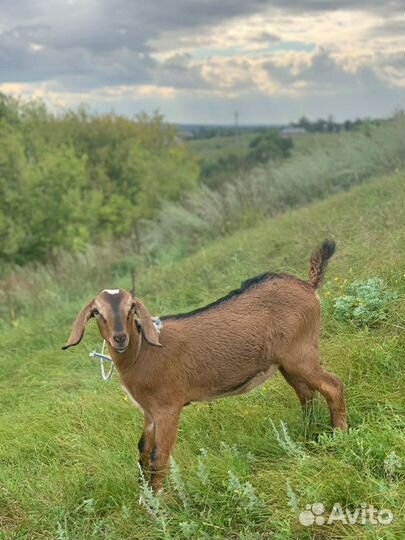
x=96 y=312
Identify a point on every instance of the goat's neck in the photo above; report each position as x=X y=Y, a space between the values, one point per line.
x=124 y=361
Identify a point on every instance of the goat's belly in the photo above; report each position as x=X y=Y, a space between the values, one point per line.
x=244 y=387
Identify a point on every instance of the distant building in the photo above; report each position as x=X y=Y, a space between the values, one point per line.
x=291 y=132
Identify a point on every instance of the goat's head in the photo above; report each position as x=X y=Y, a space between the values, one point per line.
x=114 y=310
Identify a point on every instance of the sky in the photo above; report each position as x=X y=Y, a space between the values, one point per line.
x=199 y=61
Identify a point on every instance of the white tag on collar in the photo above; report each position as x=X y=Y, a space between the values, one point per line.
x=157 y=323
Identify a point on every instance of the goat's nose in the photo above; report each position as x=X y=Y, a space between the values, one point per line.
x=119 y=338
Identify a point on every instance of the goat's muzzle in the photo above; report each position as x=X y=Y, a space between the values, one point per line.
x=120 y=342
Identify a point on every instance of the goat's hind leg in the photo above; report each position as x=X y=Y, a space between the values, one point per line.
x=309 y=370
x=331 y=387
x=304 y=392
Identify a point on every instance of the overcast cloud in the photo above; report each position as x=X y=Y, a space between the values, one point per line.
x=200 y=60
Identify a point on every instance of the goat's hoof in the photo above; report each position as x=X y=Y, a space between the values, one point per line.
x=342 y=427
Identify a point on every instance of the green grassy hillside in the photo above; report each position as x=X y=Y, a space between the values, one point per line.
x=246 y=466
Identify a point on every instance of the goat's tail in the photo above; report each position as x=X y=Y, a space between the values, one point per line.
x=319 y=262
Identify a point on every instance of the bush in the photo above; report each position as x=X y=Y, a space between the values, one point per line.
x=79 y=178
x=269 y=146
x=365 y=304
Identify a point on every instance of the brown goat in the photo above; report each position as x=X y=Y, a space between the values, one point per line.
x=226 y=348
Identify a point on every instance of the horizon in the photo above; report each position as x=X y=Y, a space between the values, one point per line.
x=231 y=124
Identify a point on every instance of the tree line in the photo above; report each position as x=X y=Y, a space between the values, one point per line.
x=328 y=125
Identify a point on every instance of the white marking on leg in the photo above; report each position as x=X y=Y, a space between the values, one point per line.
x=150 y=427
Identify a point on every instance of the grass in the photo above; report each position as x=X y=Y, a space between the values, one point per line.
x=245 y=467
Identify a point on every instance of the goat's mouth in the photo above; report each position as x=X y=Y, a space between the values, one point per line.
x=120 y=348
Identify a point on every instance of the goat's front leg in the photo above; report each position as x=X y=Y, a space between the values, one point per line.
x=146 y=444
x=165 y=435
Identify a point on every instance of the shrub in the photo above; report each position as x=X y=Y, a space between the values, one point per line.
x=268 y=146
x=365 y=304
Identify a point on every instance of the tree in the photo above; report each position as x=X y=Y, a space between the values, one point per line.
x=269 y=145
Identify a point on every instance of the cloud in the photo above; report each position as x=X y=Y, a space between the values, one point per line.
x=116 y=52
x=391 y=28
x=318 y=73
x=265 y=36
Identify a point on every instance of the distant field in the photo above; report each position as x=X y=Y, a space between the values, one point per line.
x=217 y=147
x=308 y=142
x=247 y=466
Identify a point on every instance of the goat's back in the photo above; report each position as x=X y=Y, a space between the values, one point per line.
x=234 y=339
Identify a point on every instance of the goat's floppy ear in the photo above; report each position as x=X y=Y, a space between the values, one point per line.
x=78 y=326
x=148 y=328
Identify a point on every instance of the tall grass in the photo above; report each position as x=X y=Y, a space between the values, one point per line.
x=32 y=288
